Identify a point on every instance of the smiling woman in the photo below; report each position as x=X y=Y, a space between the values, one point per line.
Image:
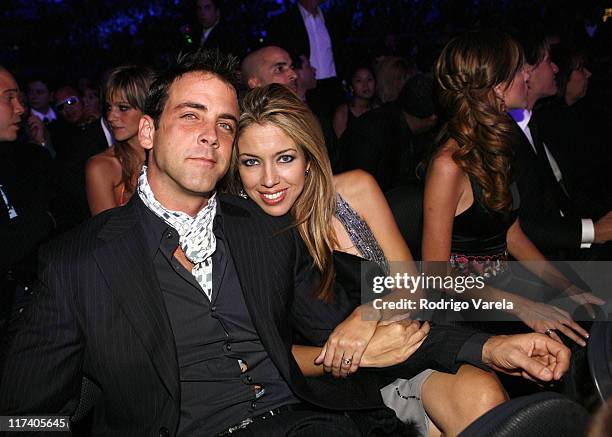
x=281 y=163
x=111 y=175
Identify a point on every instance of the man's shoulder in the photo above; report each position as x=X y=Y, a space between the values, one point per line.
x=83 y=238
x=240 y=206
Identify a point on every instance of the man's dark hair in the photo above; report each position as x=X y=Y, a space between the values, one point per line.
x=417 y=97
x=534 y=46
x=214 y=62
x=217 y=3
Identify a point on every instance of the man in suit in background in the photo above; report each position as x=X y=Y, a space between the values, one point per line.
x=180 y=305
x=25 y=194
x=563 y=223
x=304 y=30
x=211 y=32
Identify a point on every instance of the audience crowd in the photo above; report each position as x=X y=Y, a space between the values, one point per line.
x=476 y=146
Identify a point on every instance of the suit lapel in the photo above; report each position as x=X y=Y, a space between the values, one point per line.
x=128 y=270
x=249 y=241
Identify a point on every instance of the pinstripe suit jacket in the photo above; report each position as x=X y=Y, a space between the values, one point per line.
x=100 y=313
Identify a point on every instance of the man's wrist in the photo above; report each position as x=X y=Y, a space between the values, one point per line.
x=488 y=347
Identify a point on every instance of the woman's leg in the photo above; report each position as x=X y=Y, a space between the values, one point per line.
x=452 y=402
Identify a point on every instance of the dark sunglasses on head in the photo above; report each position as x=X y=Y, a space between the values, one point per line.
x=72 y=100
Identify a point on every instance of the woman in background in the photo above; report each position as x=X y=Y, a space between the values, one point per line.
x=470 y=203
x=362 y=89
x=111 y=175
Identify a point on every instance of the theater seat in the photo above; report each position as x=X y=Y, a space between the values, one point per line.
x=599 y=353
x=545 y=414
x=406 y=203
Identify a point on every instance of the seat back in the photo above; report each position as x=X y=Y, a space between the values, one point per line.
x=406 y=204
x=544 y=414
x=599 y=354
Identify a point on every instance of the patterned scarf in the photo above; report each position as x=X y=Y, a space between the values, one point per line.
x=197 y=238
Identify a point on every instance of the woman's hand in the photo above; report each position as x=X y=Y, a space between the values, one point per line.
x=583 y=298
x=341 y=354
x=547 y=319
x=394 y=342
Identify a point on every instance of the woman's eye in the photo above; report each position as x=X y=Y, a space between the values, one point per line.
x=124 y=108
x=285 y=158
x=249 y=162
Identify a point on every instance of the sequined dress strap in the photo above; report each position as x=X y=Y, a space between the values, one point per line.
x=360 y=234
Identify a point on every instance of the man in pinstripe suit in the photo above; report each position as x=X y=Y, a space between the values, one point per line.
x=180 y=305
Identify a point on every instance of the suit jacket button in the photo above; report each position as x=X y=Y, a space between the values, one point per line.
x=163 y=432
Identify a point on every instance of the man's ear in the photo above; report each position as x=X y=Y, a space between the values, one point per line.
x=146 y=132
x=253 y=82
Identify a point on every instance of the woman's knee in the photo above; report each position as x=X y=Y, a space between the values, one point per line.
x=478 y=390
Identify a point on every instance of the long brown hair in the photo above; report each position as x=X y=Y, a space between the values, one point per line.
x=132 y=84
x=467 y=71
x=314 y=209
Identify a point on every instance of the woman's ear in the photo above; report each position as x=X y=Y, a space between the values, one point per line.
x=146 y=132
x=500 y=90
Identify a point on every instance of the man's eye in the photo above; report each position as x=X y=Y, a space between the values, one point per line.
x=285 y=158
x=189 y=116
x=249 y=162
x=228 y=127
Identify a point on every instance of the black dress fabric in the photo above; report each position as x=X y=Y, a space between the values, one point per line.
x=478 y=231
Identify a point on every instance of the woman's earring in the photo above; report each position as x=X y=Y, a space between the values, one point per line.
x=242 y=194
x=306 y=172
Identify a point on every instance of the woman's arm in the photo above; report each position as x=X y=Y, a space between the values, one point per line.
x=351 y=337
x=392 y=343
x=340 y=119
x=447 y=192
x=101 y=177
x=362 y=192
x=523 y=249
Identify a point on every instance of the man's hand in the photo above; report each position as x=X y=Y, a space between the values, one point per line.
x=394 y=342
x=533 y=356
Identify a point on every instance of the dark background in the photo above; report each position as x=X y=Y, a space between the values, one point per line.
x=69 y=39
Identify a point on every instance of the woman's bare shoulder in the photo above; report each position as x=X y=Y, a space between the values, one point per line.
x=443 y=162
x=105 y=161
x=360 y=189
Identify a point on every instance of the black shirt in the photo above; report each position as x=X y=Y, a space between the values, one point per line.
x=213 y=339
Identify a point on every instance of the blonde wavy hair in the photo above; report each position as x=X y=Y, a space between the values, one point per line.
x=468 y=70
x=314 y=209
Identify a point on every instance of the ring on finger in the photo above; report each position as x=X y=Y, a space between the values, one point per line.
x=549 y=332
x=347 y=361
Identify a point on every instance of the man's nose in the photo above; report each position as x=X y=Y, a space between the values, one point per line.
x=291 y=74
x=18 y=107
x=208 y=135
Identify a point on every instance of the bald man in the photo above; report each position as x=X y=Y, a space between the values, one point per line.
x=267 y=65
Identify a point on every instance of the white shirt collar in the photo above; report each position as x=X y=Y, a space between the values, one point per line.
x=521 y=116
x=49 y=115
